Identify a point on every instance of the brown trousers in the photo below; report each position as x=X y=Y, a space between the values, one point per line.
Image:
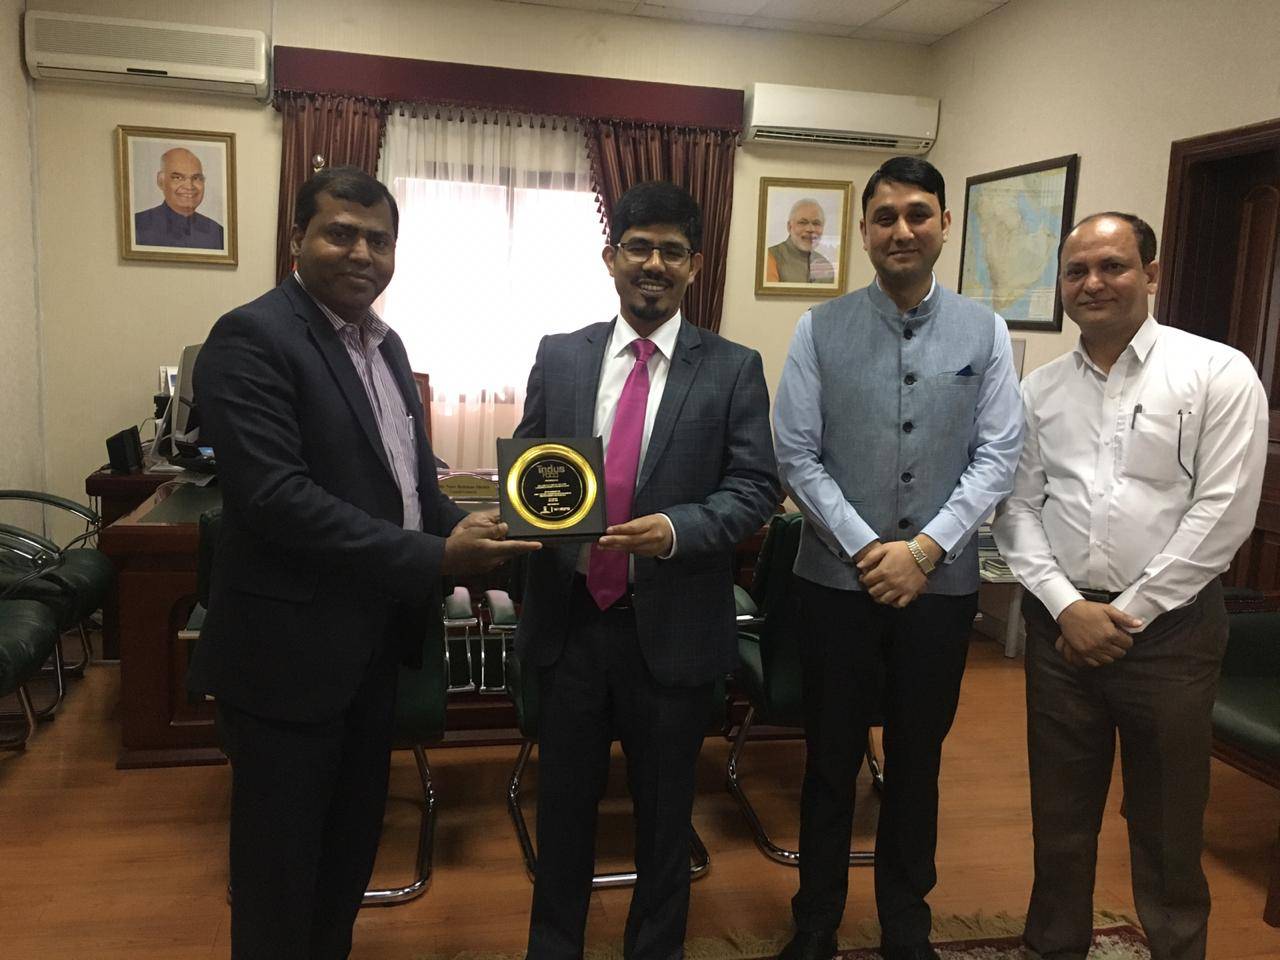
x=1158 y=697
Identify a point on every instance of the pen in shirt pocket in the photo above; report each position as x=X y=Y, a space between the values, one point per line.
x=1133 y=421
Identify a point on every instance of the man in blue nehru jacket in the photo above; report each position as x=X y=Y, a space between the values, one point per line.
x=898 y=428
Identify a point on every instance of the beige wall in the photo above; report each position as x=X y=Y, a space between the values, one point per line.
x=1115 y=82
x=110 y=324
x=21 y=437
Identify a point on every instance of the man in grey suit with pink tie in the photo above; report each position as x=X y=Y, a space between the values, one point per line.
x=626 y=637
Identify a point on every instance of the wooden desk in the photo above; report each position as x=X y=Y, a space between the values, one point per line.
x=118 y=494
x=153 y=548
x=121 y=493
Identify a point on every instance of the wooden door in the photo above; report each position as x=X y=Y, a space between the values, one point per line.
x=1221 y=280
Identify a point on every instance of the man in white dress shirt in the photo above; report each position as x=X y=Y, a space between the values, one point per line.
x=1139 y=479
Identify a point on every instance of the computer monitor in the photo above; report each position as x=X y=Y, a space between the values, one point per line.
x=180 y=425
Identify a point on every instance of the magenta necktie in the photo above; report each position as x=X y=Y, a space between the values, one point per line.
x=607 y=571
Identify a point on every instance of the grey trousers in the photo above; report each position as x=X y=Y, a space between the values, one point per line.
x=1158 y=698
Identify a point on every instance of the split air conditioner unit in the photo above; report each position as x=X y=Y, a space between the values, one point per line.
x=176 y=56
x=776 y=113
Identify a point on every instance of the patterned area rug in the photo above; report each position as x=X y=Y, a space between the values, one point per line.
x=978 y=937
x=1119 y=942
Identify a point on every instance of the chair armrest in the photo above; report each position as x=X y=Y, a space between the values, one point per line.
x=50 y=500
x=1253 y=647
x=457 y=606
x=746 y=607
x=30 y=546
x=41 y=573
x=502 y=612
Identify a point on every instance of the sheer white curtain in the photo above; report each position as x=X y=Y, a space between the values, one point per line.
x=499 y=244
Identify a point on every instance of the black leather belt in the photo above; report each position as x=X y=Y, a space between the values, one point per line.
x=1097 y=596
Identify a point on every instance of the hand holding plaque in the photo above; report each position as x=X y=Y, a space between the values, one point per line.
x=478 y=543
x=552 y=489
x=648 y=536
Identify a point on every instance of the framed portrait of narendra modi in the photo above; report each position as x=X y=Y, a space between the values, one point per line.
x=176 y=191
x=802 y=240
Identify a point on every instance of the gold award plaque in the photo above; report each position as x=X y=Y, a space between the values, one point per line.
x=552 y=486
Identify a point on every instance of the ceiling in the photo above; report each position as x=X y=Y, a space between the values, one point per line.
x=901 y=21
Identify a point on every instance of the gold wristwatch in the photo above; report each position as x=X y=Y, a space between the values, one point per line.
x=921 y=558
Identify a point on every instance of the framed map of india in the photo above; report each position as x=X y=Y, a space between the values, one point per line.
x=1014 y=220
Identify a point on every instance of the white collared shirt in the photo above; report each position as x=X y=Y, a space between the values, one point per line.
x=1143 y=481
x=619 y=358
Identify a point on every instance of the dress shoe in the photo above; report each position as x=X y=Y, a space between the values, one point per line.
x=922 y=952
x=810 y=946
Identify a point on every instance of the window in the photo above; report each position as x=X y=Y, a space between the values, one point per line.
x=499 y=245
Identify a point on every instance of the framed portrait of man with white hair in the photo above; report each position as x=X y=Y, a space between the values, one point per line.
x=177 y=195
x=802 y=238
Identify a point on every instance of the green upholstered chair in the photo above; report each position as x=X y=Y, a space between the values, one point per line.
x=420 y=718
x=524 y=694
x=460 y=621
x=768 y=674
x=28 y=636
x=497 y=639
x=1246 y=714
x=82 y=580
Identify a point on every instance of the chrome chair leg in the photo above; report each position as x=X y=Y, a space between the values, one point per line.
x=59 y=674
x=390 y=896
x=498 y=640
x=387 y=897
x=517 y=815
x=451 y=640
x=873 y=764
x=77 y=668
x=28 y=718
x=776 y=853
x=699 y=859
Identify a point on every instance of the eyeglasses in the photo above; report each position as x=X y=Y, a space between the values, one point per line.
x=639 y=251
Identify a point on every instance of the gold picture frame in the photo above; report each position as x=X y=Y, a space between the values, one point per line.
x=786 y=246
x=176 y=195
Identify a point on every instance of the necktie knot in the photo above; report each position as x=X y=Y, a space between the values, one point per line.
x=643 y=349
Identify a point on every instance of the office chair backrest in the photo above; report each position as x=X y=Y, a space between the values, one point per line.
x=780 y=633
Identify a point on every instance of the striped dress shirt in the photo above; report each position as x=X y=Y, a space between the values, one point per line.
x=395 y=424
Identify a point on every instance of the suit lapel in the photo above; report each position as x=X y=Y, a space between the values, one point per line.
x=684 y=367
x=586 y=377
x=340 y=365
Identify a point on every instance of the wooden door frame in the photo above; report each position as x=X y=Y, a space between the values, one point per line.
x=1183 y=155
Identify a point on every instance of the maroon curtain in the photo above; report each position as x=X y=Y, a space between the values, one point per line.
x=342 y=130
x=701 y=161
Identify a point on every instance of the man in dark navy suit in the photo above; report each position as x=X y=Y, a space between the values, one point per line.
x=327 y=573
x=626 y=637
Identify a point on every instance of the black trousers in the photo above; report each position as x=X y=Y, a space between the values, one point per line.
x=307 y=803
x=1158 y=698
x=858 y=658
x=600 y=688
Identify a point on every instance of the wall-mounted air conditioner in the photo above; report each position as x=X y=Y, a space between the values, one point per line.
x=179 y=56
x=777 y=113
